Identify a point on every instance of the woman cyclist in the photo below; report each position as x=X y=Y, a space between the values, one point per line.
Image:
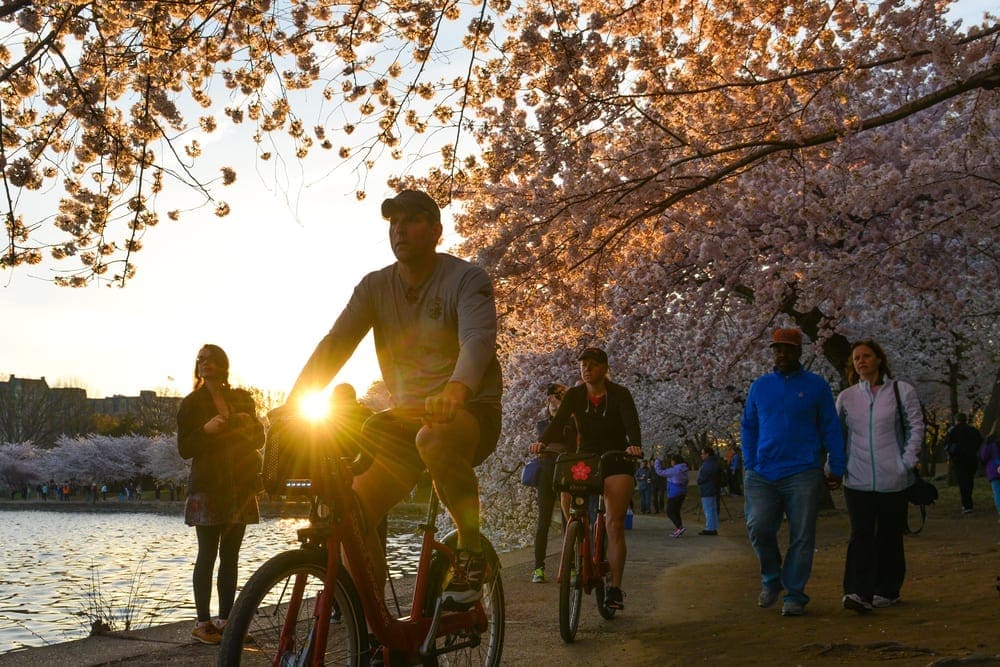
x=607 y=420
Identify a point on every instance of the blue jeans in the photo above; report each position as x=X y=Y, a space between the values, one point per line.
x=766 y=502
x=645 y=498
x=710 y=506
x=995 y=483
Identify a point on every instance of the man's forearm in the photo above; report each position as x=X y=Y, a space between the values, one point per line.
x=326 y=360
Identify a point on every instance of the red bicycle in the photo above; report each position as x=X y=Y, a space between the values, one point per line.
x=583 y=565
x=303 y=607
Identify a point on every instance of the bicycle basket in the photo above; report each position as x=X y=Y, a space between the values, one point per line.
x=297 y=457
x=578 y=473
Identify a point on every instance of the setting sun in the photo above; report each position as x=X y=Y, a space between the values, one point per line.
x=315 y=406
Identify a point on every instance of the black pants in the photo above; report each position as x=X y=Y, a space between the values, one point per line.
x=225 y=542
x=659 y=495
x=736 y=482
x=546 y=503
x=965 y=474
x=674 y=510
x=875 y=562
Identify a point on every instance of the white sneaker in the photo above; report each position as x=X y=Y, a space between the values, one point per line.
x=854 y=602
x=880 y=601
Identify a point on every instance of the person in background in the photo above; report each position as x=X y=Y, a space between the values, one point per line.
x=989 y=454
x=882 y=442
x=644 y=485
x=218 y=429
x=789 y=421
x=659 y=491
x=708 y=487
x=349 y=415
x=962 y=442
x=546 y=498
x=676 y=477
x=735 y=471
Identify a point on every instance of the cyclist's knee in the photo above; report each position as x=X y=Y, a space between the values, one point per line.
x=448 y=445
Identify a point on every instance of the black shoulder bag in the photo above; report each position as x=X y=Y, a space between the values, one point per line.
x=921 y=493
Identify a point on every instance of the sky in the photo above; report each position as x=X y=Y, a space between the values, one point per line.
x=265 y=283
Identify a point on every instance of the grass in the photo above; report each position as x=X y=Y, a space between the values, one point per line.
x=113 y=613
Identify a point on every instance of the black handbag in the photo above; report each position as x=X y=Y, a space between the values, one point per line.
x=921 y=493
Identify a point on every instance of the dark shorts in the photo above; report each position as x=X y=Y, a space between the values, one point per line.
x=616 y=465
x=391 y=435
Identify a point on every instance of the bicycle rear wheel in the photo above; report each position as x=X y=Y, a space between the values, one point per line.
x=570 y=590
x=253 y=633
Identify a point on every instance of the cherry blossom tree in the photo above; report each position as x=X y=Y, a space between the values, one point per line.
x=111 y=101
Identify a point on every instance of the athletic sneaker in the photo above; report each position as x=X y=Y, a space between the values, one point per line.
x=678 y=532
x=467 y=576
x=206 y=633
x=855 y=602
x=882 y=601
x=220 y=625
x=614 y=598
x=538 y=576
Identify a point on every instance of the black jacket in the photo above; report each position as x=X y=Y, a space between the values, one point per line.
x=612 y=425
x=227 y=462
x=708 y=477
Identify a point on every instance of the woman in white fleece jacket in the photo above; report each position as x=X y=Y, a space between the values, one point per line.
x=883 y=443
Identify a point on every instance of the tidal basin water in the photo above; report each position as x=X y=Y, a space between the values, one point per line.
x=57 y=566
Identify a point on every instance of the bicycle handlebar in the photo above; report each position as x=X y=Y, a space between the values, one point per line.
x=617 y=452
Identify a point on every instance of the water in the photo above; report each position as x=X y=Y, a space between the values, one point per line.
x=54 y=562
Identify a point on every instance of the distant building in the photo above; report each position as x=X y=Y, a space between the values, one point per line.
x=32 y=410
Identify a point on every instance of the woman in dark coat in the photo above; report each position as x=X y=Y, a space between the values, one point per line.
x=218 y=429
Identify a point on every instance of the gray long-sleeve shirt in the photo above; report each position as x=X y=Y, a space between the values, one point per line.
x=443 y=330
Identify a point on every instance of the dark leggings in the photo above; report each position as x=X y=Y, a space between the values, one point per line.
x=225 y=542
x=674 y=510
x=546 y=503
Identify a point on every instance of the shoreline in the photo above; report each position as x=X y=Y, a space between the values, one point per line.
x=269 y=509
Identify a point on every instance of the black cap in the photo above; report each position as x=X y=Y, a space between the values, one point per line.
x=595 y=353
x=411 y=200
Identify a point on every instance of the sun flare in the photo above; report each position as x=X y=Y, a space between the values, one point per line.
x=315 y=406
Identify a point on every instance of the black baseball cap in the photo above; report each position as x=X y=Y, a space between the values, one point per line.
x=411 y=200
x=595 y=353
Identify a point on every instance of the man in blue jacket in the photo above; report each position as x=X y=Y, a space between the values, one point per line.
x=789 y=423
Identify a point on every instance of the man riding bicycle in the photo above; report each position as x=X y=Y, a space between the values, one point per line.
x=434 y=322
x=607 y=420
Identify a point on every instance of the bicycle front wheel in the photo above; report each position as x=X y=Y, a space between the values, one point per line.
x=570 y=590
x=253 y=635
